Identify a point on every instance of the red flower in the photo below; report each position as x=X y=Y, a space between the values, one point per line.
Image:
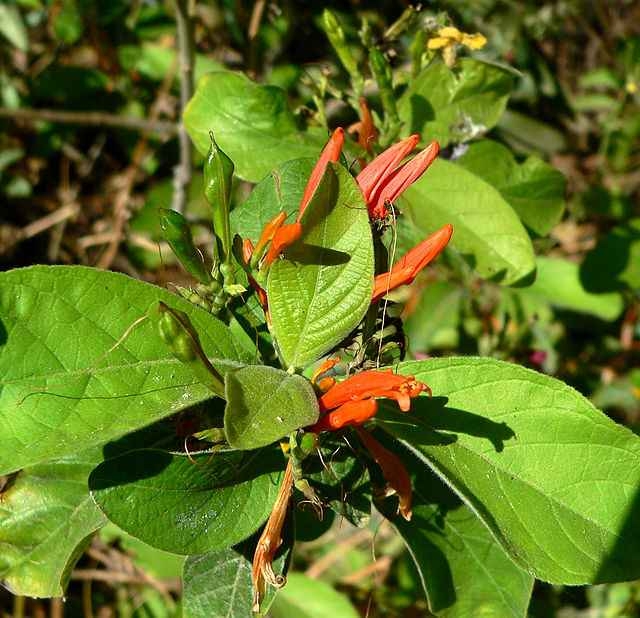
x=405 y=270
x=353 y=401
x=393 y=470
x=384 y=179
x=285 y=235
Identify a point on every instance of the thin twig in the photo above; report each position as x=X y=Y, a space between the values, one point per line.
x=101 y=119
x=182 y=172
x=252 y=35
x=44 y=223
x=379 y=567
x=118 y=577
x=338 y=553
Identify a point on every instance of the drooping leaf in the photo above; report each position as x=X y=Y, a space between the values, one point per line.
x=487 y=231
x=70 y=379
x=12 y=27
x=46 y=520
x=534 y=189
x=187 y=505
x=455 y=104
x=526 y=134
x=251 y=123
x=554 y=479
x=558 y=282
x=321 y=290
x=282 y=189
x=265 y=404
x=463 y=569
x=304 y=597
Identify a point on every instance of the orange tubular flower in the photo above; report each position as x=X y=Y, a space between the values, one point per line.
x=384 y=179
x=281 y=236
x=393 y=471
x=406 y=269
x=364 y=128
x=353 y=401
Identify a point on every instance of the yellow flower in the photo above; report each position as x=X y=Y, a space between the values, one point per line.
x=449 y=36
x=631 y=87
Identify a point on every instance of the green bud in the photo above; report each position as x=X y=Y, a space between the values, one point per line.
x=218 y=174
x=335 y=34
x=177 y=232
x=381 y=70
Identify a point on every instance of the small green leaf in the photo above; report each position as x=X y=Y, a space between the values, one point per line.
x=554 y=479
x=435 y=321
x=187 y=505
x=455 y=105
x=614 y=264
x=558 y=282
x=462 y=568
x=282 y=189
x=252 y=124
x=486 y=229
x=526 y=134
x=46 y=519
x=69 y=379
x=12 y=27
x=265 y=404
x=319 y=293
x=304 y=597
x=218 y=584
x=534 y=189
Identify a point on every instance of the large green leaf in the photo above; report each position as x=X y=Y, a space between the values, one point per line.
x=486 y=229
x=319 y=293
x=533 y=188
x=62 y=385
x=187 y=505
x=554 y=479
x=455 y=104
x=462 y=568
x=46 y=519
x=282 y=189
x=558 y=282
x=252 y=124
x=265 y=404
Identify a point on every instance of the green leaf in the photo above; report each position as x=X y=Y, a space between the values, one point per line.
x=614 y=264
x=534 y=189
x=558 y=282
x=526 y=134
x=455 y=105
x=282 y=189
x=304 y=597
x=187 y=505
x=251 y=123
x=265 y=404
x=67 y=23
x=554 y=479
x=46 y=519
x=462 y=568
x=434 y=322
x=63 y=384
x=12 y=27
x=218 y=584
x=319 y=293
x=486 y=230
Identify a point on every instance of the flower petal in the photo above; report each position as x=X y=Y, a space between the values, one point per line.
x=331 y=152
x=393 y=471
x=401 y=179
x=384 y=164
x=350 y=413
x=284 y=236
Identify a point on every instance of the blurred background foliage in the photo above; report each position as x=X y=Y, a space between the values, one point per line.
x=89 y=111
